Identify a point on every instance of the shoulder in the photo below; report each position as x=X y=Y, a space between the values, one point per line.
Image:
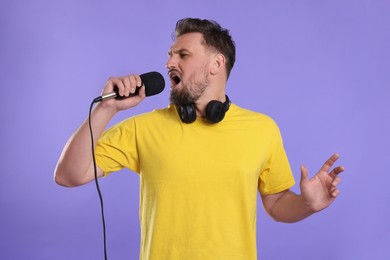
x=156 y=118
x=252 y=117
x=167 y=113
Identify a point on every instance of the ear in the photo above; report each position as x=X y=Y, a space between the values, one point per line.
x=218 y=63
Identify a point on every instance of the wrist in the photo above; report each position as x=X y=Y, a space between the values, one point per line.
x=105 y=108
x=307 y=207
x=101 y=115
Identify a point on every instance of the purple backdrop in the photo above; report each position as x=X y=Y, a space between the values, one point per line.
x=321 y=69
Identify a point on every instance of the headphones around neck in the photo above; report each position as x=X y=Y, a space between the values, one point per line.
x=215 y=111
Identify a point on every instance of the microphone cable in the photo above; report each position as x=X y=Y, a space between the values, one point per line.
x=96 y=180
x=155 y=82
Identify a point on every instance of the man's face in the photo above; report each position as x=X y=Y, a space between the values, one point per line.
x=188 y=68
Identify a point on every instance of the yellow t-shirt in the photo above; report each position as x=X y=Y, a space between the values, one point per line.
x=199 y=181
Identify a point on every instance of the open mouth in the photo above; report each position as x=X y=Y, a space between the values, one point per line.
x=175 y=77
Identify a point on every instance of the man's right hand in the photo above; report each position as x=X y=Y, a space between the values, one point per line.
x=126 y=85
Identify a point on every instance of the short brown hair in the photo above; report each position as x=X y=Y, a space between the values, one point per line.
x=214 y=35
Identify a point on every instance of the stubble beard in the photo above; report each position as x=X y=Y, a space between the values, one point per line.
x=191 y=90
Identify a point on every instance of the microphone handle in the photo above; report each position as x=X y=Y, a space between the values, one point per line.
x=116 y=95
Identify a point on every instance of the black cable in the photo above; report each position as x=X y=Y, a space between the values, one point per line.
x=96 y=180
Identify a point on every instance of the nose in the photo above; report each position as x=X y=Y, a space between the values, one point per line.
x=171 y=62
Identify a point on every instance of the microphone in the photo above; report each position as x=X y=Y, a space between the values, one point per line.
x=153 y=81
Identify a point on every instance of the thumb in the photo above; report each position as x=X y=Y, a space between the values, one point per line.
x=304 y=174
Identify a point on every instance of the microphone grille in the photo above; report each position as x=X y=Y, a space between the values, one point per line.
x=154 y=83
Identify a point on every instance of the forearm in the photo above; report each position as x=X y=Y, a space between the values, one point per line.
x=75 y=166
x=290 y=208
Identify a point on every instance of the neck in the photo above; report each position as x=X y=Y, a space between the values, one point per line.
x=216 y=90
x=202 y=103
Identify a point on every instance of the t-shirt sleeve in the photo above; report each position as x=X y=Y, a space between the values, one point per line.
x=117 y=148
x=276 y=175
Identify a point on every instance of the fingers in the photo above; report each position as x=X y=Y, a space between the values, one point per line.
x=337 y=170
x=329 y=163
x=125 y=85
x=304 y=174
x=336 y=181
x=334 y=192
x=141 y=92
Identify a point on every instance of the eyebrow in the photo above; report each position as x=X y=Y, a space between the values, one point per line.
x=170 y=52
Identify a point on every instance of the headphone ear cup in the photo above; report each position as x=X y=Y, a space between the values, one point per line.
x=215 y=111
x=187 y=113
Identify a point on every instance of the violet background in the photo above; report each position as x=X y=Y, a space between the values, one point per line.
x=319 y=68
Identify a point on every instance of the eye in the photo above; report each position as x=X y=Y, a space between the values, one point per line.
x=183 y=55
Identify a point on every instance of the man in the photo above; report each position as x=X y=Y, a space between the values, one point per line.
x=201 y=160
